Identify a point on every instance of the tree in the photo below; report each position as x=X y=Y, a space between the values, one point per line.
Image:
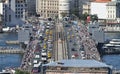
x=75 y=11
x=63 y=14
x=21 y=72
x=84 y=16
x=94 y=18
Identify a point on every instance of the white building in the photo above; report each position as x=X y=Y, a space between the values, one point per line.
x=63 y=8
x=52 y=8
x=116 y=0
x=99 y=9
x=14 y=12
x=1 y=8
x=113 y=12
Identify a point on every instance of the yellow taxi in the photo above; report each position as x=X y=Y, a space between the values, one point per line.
x=45 y=46
x=49 y=54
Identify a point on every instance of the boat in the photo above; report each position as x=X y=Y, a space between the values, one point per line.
x=112 y=47
x=116 y=40
x=6 y=29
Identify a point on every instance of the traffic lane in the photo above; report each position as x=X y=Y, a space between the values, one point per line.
x=72 y=43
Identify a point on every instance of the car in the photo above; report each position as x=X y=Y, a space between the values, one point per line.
x=35 y=70
x=49 y=54
x=43 y=54
x=73 y=49
x=44 y=58
x=47 y=26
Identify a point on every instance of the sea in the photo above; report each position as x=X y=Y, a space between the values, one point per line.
x=112 y=60
x=9 y=60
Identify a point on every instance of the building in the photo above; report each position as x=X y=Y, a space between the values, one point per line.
x=31 y=8
x=1 y=8
x=14 y=12
x=76 y=6
x=63 y=8
x=74 y=66
x=98 y=7
x=1 y=12
x=113 y=12
x=47 y=8
x=52 y=8
x=86 y=8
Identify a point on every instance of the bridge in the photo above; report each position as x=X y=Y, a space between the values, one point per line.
x=11 y=50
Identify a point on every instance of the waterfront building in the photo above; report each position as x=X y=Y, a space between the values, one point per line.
x=99 y=8
x=113 y=12
x=31 y=7
x=14 y=12
x=74 y=66
x=52 y=8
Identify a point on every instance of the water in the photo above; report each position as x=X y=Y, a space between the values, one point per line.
x=8 y=36
x=9 y=60
x=113 y=60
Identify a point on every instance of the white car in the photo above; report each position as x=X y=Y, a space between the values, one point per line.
x=44 y=54
x=43 y=58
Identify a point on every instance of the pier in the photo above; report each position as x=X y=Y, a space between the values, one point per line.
x=11 y=50
x=12 y=42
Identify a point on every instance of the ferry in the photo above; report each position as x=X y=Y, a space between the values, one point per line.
x=112 y=47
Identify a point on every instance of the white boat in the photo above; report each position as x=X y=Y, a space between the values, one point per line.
x=109 y=45
x=114 y=42
x=6 y=29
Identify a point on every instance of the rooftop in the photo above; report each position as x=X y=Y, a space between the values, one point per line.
x=77 y=63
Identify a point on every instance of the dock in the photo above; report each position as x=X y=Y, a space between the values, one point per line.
x=12 y=42
x=11 y=50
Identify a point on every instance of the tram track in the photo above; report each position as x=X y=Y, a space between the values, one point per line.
x=60 y=45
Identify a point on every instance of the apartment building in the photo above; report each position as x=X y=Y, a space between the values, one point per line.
x=52 y=8
x=14 y=12
x=75 y=66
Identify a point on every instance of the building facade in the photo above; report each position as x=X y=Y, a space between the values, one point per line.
x=63 y=8
x=51 y=8
x=14 y=12
x=31 y=8
x=76 y=6
x=86 y=8
x=113 y=12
